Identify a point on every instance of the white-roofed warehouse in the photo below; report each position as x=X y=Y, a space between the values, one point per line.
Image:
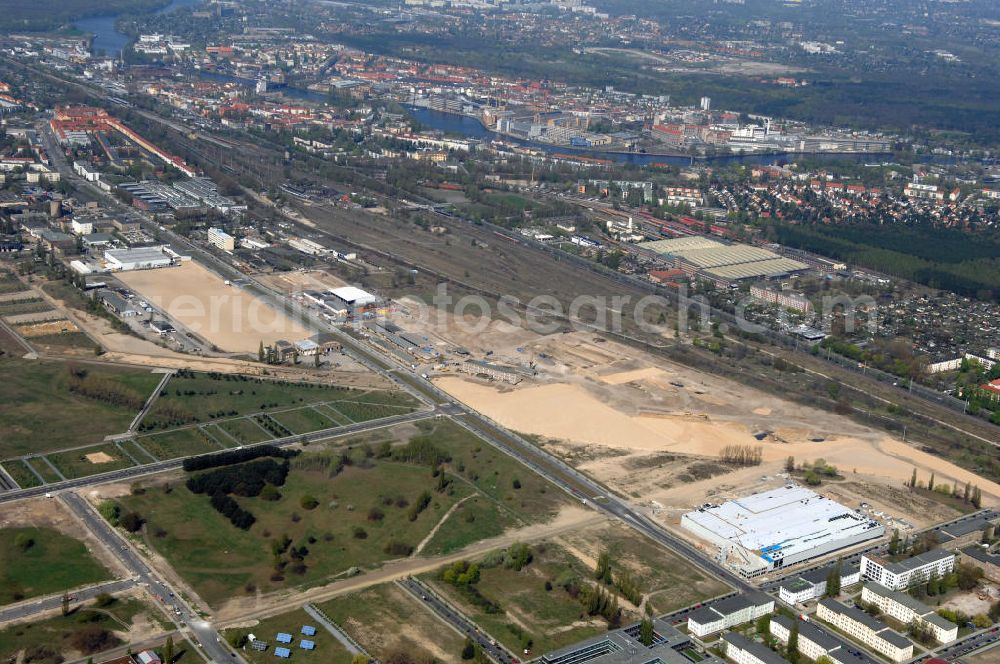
x=779 y=528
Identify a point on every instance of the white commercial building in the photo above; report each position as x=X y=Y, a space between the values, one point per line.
x=778 y=528
x=906 y=610
x=141 y=258
x=903 y=574
x=729 y=612
x=221 y=239
x=867 y=630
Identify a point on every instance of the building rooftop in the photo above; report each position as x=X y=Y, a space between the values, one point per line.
x=760 y=651
x=781 y=522
x=917 y=561
x=809 y=631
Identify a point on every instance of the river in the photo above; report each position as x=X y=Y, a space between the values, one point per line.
x=472 y=128
x=109 y=41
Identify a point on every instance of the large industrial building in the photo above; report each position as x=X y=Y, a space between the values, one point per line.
x=724 y=264
x=142 y=258
x=778 y=528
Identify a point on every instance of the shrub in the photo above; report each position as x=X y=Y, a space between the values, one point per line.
x=375 y=514
x=308 y=502
x=401 y=549
x=131 y=521
x=359 y=533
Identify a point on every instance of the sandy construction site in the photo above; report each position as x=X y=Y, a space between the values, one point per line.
x=231 y=319
x=653 y=430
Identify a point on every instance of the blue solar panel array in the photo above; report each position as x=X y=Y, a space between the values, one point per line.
x=284 y=653
x=307 y=645
x=284 y=637
x=308 y=630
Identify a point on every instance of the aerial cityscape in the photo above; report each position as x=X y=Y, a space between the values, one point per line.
x=500 y=331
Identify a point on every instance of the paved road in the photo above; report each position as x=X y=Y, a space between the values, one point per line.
x=203 y=632
x=436 y=604
x=52 y=602
x=171 y=464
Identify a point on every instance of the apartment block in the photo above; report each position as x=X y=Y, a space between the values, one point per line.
x=742 y=650
x=867 y=630
x=906 y=609
x=901 y=575
x=729 y=612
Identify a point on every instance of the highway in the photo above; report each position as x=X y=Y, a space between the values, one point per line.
x=173 y=464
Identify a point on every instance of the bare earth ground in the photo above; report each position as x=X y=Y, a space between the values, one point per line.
x=642 y=424
x=228 y=317
x=294 y=282
x=969 y=603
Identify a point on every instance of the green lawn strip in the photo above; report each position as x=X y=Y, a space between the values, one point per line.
x=363 y=412
x=43 y=469
x=244 y=431
x=60 y=633
x=20 y=474
x=31 y=305
x=74 y=463
x=302 y=420
x=42 y=561
x=180 y=443
x=201 y=397
x=343 y=417
x=374 y=617
x=10 y=284
x=220 y=560
x=396 y=398
x=138 y=454
x=41 y=414
x=328 y=649
x=551 y=619
x=63 y=340
x=336 y=418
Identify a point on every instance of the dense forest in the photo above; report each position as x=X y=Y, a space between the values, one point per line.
x=940 y=258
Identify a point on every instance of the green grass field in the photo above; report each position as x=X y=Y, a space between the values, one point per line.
x=41 y=414
x=63 y=340
x=303 y=420
x=75 y=464
x=199 y=397
x=551 y=619
x=10 y=283
x=328 y=649
x=42 y=639
x=20 y=473
x=669 y=582
x=51 y=563
x=244 y=431
x=180 y=443
x=475 y=519
x=220 y=560
x=43 y=469
x=386 y=619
